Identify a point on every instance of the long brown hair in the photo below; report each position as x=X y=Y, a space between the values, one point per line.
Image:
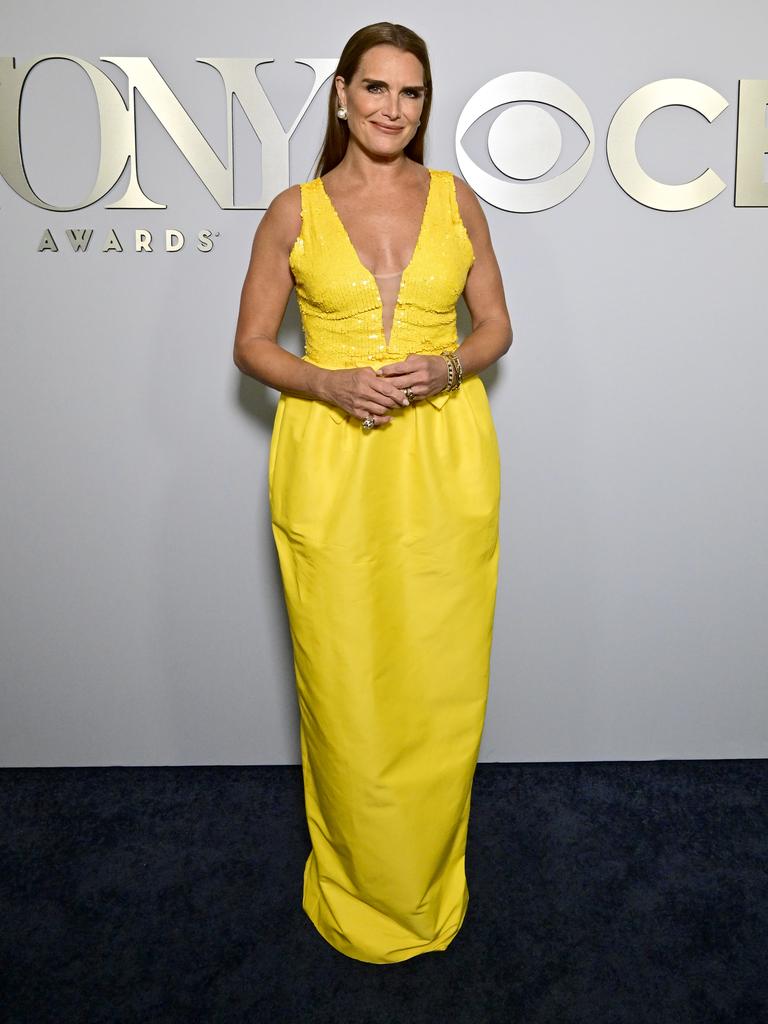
x=337 y=131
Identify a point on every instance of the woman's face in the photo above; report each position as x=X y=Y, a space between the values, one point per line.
x=384 y=99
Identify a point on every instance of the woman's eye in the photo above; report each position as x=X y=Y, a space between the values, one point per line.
x=410 y=92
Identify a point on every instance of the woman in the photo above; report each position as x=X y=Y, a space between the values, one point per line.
x=384 y=483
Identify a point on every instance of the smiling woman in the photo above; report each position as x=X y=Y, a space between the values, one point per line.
x=387 y=536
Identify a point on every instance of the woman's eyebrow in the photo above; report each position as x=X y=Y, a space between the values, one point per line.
x=378 y=81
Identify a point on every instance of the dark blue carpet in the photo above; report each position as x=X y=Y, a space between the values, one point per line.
x=608 y=893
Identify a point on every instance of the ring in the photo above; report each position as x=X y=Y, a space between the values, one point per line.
x=368 y=423
x=409 y=393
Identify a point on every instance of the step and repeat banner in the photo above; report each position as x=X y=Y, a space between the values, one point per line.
x=620 y=158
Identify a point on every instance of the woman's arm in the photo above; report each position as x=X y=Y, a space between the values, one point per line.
x=491 y=333
x=263 y=301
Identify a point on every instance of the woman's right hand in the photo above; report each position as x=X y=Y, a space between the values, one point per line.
x=361 y=392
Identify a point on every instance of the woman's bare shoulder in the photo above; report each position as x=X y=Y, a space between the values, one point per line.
x=470 y=209
x=282 y=218
x=466 y=198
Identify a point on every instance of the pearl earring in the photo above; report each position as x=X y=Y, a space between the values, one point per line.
x=341 y=113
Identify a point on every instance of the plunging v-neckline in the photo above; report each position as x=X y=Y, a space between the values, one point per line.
x=370 y=274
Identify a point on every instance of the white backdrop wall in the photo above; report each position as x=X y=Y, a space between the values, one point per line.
x=142 y=612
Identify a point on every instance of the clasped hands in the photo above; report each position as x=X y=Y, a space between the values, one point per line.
x=365 y=392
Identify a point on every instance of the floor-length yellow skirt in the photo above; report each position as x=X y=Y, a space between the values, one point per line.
x=388 y=548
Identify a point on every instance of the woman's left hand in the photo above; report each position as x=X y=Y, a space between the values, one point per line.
x=425 y=375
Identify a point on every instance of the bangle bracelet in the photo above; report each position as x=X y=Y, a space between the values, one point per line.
x=455 y=371
x=451 y=371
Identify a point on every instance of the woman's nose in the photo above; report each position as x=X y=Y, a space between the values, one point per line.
x=392 y=108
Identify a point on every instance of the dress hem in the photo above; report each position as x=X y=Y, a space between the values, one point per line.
x=437 y=945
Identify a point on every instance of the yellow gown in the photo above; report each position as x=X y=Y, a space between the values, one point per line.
x=387 y=542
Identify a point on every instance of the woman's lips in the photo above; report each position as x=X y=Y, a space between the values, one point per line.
x=385 y=128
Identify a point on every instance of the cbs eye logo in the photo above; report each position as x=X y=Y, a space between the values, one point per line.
x=525 y=141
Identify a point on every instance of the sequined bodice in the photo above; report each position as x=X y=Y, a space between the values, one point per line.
x=350 y=316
